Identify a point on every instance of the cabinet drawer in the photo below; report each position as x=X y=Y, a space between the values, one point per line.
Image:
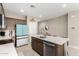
x=22 y=41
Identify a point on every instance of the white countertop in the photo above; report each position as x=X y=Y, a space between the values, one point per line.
x=56 y=40
x=8 y=50
x=5 y=37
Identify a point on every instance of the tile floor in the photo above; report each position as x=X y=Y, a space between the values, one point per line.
x=26 y=51
x=73 y=51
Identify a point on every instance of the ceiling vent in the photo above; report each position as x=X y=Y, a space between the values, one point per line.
x=32 y=6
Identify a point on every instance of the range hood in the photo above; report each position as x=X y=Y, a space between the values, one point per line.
x=2 y=17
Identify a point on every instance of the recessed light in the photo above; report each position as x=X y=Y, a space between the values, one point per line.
x=64 y=5
x=21 y=10
x=40 y=16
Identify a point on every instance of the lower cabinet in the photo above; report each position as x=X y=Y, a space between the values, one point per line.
x=45 y=48
x=37 y=45
x=51 y=49
x=6 y=41
x=22 y=41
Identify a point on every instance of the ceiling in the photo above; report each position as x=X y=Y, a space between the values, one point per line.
x=42 y=11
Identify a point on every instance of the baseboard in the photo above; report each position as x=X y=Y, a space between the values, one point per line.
x=72 y=46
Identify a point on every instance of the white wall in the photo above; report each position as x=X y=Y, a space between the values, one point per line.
x=73 y=28
x=57 y=26
x=8 y=32
x=32 y=26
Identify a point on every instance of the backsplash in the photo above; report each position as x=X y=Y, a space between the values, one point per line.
x=8 y=33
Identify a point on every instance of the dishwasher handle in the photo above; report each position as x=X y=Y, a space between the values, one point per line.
x=49 y=44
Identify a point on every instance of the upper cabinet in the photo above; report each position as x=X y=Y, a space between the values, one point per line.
x=2 y=17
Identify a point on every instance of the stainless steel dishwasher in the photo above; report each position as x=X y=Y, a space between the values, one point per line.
x=49 y=49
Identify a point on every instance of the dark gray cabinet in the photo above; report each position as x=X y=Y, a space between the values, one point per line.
x=45 y=48
x=37 y=45
x=51 y=49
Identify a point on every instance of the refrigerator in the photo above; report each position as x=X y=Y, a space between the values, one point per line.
x=22 y=34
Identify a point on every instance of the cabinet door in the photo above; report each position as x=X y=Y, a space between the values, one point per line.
x=40 y=47
x=37 y=45
x=34 y=43
x=60 y=50
x=19 y=42
x=22 y=41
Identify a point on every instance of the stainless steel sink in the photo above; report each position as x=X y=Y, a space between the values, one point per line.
x=41 y=36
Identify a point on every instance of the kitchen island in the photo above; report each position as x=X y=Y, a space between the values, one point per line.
x=49 y=45
x=7 y=46
x=8 y=50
